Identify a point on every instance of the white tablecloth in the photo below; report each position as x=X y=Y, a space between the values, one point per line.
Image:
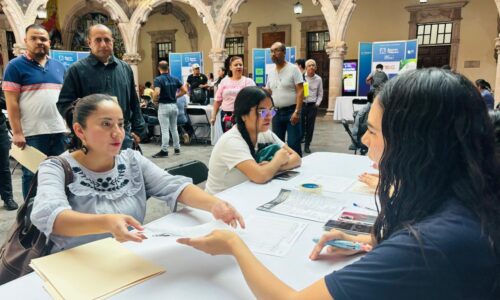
x=343 y=108
x=191 y=274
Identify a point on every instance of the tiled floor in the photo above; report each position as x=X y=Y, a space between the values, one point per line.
x=328 y=137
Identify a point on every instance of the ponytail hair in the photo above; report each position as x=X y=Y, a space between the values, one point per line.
x=78 y=112
x=246 y=99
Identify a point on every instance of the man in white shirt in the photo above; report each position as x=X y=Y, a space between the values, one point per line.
x=311 y=102
x=285 y=83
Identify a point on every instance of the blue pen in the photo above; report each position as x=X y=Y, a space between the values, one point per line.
x=342 y=244
x=365 y=207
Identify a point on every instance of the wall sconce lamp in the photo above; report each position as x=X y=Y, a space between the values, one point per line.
x=297 y=8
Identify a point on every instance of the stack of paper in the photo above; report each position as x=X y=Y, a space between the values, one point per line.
x=93 y=271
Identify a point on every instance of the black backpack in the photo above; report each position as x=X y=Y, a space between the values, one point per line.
x=25 y=241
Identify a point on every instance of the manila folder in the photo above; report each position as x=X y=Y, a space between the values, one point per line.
x=93 y=271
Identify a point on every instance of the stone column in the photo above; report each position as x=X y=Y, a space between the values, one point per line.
x=218 y=57
x=336 y=52
x=497 y=79
x=133 y=59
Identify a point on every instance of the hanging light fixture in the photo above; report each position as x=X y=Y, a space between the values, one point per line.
x=41 y=13
x=423 y=1
x=297 y=8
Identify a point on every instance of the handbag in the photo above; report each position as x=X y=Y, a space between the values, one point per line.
x=266 y=153
x=25 y=241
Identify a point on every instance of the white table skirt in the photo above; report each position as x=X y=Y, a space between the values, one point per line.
x=343 y=108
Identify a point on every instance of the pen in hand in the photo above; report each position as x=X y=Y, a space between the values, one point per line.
x=342 y=244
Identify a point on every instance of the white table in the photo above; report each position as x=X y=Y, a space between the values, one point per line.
x=194 y=275
x=343 y=108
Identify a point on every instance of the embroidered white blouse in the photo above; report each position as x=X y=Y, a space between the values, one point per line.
x=122 y=190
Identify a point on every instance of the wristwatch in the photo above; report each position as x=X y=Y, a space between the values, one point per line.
x=297 y=112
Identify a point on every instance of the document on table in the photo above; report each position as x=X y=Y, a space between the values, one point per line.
x=95 y=270
x=153 y=230
x=303 y=205
x=271 y=236
x=29 y=157
x=333 y=184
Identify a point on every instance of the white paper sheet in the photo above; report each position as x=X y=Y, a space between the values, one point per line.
x=303 y=205
x=184 y=231
x=271 y=236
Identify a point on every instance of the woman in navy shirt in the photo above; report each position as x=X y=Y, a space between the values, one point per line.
x=437 y=235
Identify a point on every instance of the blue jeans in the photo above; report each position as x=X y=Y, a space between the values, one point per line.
x=167 y=115
x=282 y=126
x=50 y=145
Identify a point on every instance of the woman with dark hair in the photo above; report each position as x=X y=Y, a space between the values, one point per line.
x=484 y=88
x=437 y=235
x=227 y=91
x=110 y=188
x=234 y=156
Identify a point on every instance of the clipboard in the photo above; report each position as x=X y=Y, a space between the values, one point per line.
x=29 y=157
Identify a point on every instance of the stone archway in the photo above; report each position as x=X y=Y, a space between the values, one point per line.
x=78 y=10
x=20 y=14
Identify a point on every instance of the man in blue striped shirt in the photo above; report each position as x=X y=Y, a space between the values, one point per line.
x=32 y=83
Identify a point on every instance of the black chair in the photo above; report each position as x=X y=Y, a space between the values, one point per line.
x=194 y=169
x=359 y=146
x=154 y=129
x=199 y=121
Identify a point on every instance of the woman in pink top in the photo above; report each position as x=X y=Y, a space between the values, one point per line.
x=228 y=88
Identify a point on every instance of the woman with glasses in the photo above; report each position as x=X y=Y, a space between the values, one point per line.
x=234 y=157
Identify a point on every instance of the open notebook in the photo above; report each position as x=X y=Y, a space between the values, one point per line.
x=96 y=270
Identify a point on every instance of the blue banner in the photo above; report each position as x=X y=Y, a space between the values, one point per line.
x=67 y=57
x=364 y=67
x=395 y=56
x=389 y=51
x=259 y=66
x=180 y=64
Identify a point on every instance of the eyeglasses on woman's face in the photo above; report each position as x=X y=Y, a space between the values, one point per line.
x=264 y=112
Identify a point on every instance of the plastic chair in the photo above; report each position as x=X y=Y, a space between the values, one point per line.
x=199 y=120
x=359 y=146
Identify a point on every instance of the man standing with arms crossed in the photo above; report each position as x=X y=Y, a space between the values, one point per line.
x=101 y=72
x=285 y=83
x=166 y=94
x=32 y=83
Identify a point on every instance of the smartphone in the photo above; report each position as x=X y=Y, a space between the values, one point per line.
x=348 y=227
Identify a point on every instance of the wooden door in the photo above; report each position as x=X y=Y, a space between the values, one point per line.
x=323 y=70
x=433 y=56
x=269 y=38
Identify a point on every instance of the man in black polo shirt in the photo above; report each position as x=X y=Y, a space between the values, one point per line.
x=167 y=90
x=102 y=73
x=198 y=84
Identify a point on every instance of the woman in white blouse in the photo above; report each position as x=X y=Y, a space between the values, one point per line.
x=109 y=191
x=234 y=157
